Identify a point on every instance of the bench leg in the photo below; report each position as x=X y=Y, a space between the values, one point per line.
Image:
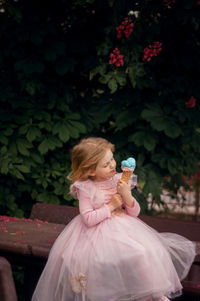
x=7 y=285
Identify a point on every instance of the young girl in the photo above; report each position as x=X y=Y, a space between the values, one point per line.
x=106 y=253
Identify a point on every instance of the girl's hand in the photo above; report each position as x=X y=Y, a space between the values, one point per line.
x=124 y=190
x=115 y=202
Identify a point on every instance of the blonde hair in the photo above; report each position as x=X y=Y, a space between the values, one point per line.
x=86 y=155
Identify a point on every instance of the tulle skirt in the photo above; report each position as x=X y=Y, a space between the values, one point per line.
x=121 y=258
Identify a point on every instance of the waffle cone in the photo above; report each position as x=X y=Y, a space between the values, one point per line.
x=126 y=175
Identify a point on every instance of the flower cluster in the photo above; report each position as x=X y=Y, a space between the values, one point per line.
x=151 y=50
x=116 y=58
x=135 y=13
x=125 y=28
x=169 y=3
x=191 y=103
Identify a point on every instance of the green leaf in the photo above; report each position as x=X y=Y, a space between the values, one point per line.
x=22 y=146
x=43 y=146
x=104 y=48
x=59 y=188
x=54 y=142
x=32 y=134
x=161 y=159
x=149 y=142
x=8 y=131
x=121 y=80
x=112 y=85
x=152 y=113
x=135 y=72
x=62 y=130
x=23 y=168
x=4 y=166
x=73 y=116
x=64 y=133
x=46 y=197
x=29 y=66
x=30 y=88
x=79 y=126
x=23 y=129
x=160 y=122
x=3 y=139
x=143 y=138
x=132 y=77
x=13 y=148
x=140 y=159
x=44 y=184
x=64 y=66
x=74 y=133
x=173 y=130
x=53 y=199
x=17 y=174
x=43 y=197
x=172 y=166
x=104 y=79
x=37 y=158
x=42 y=115
x=4 y=150
x=124 y=119
x=152 y=183
x=49 y=143
x=74 y=128
x=45 y=125
x=101 y=69
x=137 y=138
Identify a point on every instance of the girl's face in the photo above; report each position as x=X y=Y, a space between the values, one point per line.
x=106 y=168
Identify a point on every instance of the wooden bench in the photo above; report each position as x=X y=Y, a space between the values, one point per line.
x=52 y=213
x=28 y=242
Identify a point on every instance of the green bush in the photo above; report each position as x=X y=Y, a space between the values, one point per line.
x=58 y=86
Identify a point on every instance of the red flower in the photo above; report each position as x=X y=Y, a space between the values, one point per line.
x=191 y=103
x=198 y=173
x=151 y=50
x=198 y=2
x=125 y=28
x=168 y=3
x=116 y=58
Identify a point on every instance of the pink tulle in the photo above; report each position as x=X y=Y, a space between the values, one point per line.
x=119 y=259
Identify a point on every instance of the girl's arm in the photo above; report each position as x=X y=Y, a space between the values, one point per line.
x=91 y=216
x=131 y=205
x=134 y=210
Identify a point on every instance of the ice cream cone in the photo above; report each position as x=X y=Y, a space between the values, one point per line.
x=126 y=175
x=127 y=167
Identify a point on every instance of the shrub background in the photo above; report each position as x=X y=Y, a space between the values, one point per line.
x=57 y=86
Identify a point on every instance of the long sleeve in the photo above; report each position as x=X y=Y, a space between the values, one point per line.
x=133 y=211
x=91 y=216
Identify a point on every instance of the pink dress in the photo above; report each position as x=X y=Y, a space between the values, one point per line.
x=101 y=256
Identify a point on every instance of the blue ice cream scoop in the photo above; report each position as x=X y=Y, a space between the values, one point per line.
x=130 y=163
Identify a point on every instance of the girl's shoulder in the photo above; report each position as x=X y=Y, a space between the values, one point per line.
x=86 y=186
x=89 y=187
